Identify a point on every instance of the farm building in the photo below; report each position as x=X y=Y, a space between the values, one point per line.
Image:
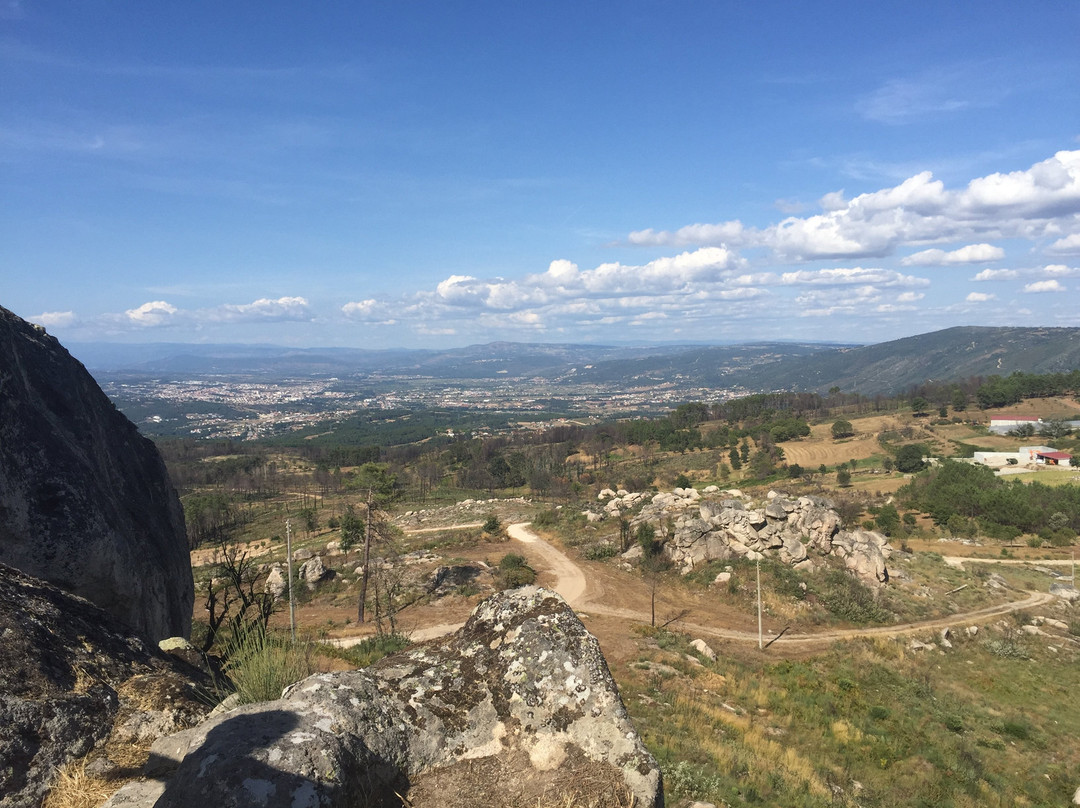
x=1025 y=456
x=1004 y=425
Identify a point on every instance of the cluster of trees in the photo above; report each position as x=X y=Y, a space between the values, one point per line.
x=1001 y=508
x=1051 y=429
x=998 y=391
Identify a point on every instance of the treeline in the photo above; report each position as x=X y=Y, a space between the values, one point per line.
x=999 y=391
x=964 y=497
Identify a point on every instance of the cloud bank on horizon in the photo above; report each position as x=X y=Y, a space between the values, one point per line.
x=302 y=215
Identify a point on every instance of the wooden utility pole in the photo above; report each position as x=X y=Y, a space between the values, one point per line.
x=759 y=638
x=367 y=562
x=292 y=602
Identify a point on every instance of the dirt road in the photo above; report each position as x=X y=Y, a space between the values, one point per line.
x=569 y=579
x=571 y=584
x=959 y=561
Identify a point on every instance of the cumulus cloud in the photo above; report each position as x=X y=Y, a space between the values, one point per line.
x=852 y=275
x=997 y=275
x=909 y=297
x=263 y=309
x=971 y=254
x=1060 y=271
x=152 y=314
x=55 y=319
x=1044 y=286
x=1038 y=202
x=1066 y=245
x=978 y=297
x=682 y=288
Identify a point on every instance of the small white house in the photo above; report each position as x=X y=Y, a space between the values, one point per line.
x=1024 y=456
x=1002 y=426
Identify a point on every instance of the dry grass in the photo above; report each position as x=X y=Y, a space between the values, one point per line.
x=74 y=788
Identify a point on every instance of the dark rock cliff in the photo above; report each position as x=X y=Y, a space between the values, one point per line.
x=74 y=682
x=85 y=500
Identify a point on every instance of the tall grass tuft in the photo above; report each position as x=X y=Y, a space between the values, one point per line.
x=261 y=664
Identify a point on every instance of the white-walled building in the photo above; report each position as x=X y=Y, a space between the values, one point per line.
x=1025 y=456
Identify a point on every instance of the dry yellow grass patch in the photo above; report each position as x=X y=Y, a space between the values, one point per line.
x=74 y=788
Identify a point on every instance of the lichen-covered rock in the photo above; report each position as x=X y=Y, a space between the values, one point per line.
x=276 y=583
x=521 y=695
x=312 y=571
x=85 y=500
x=73 y=681
x=793 y=530
x=865 y=553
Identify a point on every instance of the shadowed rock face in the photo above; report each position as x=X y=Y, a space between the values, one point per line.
x=85 y=500
x=74 y=681
x=517 y=706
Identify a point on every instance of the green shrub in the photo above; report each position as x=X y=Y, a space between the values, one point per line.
x=491 y=524
x=373 y=649
x=260 y=664
x=1061 y=538
x=546 y=518
x=850 y=599
x=879 y=713
x=1006 y=648
x=1018 y=728
x=600 y=550
x=515 y=571
x=695 y=782
x=512 y=561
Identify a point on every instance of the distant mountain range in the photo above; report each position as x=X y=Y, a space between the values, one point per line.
x=951 y=354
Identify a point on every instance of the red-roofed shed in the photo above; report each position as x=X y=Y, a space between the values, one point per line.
x=1054 y=458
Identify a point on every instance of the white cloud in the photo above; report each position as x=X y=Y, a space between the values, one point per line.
x=55 y=319
x=692 y=234
x=909 y=297
x=151 y=314
x=1044 y=286
x=263 y=309
x=1067 y=244
x=979 y=297
x=1060 y=271
x=1032 y=204
x=852 y=275
x=997 y=275
x=971 y=254
x=370 y=311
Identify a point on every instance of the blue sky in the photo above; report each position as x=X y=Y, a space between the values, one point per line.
x=437 y=174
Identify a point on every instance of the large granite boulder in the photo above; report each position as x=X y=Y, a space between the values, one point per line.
x=74 y=683
x=796 y=531
x=85 y=500
x=516 y=708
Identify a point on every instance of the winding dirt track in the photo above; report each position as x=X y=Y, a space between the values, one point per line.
x=586 y=596
x=571 y=584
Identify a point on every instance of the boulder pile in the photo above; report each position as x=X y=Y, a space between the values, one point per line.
x=722 y=525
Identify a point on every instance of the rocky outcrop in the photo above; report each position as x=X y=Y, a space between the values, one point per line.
x=73 y=684
x=515 y=708
x=695 y=530
x=85 y=500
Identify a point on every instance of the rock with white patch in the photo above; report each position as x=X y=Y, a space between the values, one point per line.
x=520 y=694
